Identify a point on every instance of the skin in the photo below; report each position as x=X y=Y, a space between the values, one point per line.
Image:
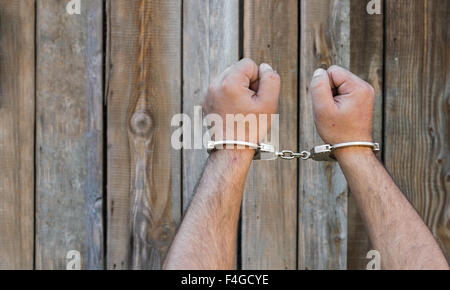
x=343 y=112
x=214 y=211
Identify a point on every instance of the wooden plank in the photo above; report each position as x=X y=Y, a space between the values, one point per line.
x=143 y=93
x=322 y=241
x=417 y=131
x=269 y=211
x=16 y=133
x=69 y=140
x=366 y=61
x=210 y=44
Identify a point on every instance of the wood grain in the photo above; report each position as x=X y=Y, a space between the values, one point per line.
x=366 y=61
x=269 y=217
x=294 y=215
x=69 y=138
x=417 y=131
x=16 y=133
x=143 y=93
x=322 y=229
x=210 y=45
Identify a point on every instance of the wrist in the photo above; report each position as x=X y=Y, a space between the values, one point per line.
x=358 y=152
x=235 y=154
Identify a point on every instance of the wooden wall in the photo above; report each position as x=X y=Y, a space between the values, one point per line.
x=86 y=103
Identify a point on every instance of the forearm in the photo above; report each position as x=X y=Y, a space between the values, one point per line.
x=395 y=229
x=207 y=237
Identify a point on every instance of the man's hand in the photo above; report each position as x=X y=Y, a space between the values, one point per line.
x=343 y=110
x=206 y=238
x=245 y=89
x=343 y=106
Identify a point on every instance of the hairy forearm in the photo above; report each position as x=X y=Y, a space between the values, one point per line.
x=207 y=237
x=395 y=229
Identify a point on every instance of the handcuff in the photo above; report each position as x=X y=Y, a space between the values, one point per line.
x=317 y=153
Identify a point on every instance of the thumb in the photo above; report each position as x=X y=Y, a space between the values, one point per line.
x=269 y=83
x=321 y=91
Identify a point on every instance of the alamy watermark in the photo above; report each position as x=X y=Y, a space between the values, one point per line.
x=373 y=7
x=194 y=133
x=375 y=262
x=73 y=7
x=73 y=260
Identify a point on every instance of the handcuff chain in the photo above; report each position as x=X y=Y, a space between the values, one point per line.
x=317 y=153
x=289 y=155
x=324 y=152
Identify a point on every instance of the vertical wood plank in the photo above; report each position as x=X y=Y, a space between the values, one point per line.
x=143 y=93
x=16 y=133
x=322 y=241
x=69 y=140
x=366 y=61
x=417 y=131
x=269 y=217
x=210 y=44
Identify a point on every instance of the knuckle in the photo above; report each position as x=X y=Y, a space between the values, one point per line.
x=316 y=85
x=247 y=60
x=248 y=63
x=227 y=84
x=369 y=90
x=274 y=76
x=334 y=68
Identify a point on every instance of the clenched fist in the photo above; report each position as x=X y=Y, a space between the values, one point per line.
x=247 y=90
x=343 y=106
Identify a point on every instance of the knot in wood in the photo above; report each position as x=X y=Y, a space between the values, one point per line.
x=141 y=123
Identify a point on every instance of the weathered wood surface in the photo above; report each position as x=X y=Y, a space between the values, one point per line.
x=366 y=61
x=143 y=93
x=151 y=46
x=417 y=131
x=269 y=211
x=322 y=222
x=210 y=45
x=16 y=133
x=69 y=135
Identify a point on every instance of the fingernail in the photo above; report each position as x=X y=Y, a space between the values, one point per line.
x=265 y=66
x=319 y=72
